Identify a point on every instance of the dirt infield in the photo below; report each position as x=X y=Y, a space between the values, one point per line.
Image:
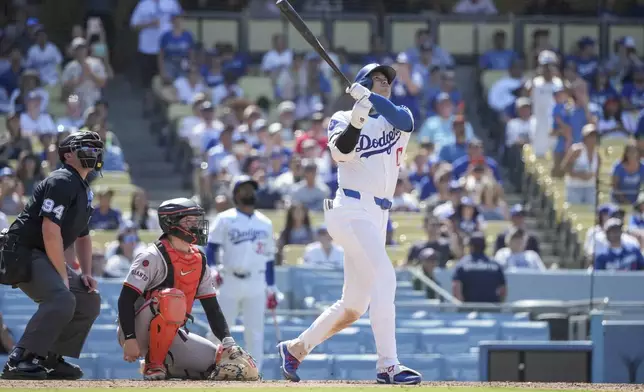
x=114 y=384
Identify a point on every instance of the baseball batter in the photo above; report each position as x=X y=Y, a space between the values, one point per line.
x=368 y=143
x=157 y=298
x=246 y=273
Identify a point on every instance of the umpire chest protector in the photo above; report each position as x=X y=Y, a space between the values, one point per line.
x=183 y=272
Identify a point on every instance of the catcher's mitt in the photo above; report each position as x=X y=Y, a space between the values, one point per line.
x=234 y=364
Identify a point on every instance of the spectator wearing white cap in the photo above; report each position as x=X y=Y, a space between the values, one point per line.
x=84 y=76
x=519 y=131
x=286 y=117
x=618 y=255
x=73 y=117
x=323 y=253
x=45 y=57
x=29 y=81
x=33 y=122
x=206 y=134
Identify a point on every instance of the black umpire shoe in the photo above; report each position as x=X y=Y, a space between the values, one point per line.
x=59 y=369
x=23 y=366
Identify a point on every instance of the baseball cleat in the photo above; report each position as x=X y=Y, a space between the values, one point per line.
x=59 y=369
x=22 y=366
x=398 y=374
x=289 y=363
x=153 y=372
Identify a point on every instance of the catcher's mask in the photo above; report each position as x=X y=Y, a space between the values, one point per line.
x=87 y=146
x=172 y=212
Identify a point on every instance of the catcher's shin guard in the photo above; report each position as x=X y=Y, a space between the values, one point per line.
x=170 y=314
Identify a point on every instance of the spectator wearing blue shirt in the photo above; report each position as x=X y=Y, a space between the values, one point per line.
x=628 y=176
x=474 y=158
x=569 y=119
x=586 y=59
x=438 y=129
x=500 y=57
x=406 y=88
x=10 y=79
x=454 y=151
x=212 y=72
x=235 y=63
x=448 y=86
x=440 y=56
x=636 y=222
x=601 y=89
x=175 y=50
x=104 y=216
x=220 y=151
x=477 y=278
x=618 y=256
x=633 y=93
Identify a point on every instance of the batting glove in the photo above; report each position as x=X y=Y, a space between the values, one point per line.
x=360 y=113
x=358 y=92
x=272 y=297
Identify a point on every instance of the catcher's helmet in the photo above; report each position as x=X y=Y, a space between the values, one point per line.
x=363 y=77
x=87 y=146
x=172 y=211
x=241 y=180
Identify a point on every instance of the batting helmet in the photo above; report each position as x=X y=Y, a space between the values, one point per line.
x=172 y=211
x=363 y=76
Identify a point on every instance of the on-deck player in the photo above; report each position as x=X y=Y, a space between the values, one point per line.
x=369 y=146
x=247 y=278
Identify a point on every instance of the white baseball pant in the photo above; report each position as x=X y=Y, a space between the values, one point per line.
x=359 y=226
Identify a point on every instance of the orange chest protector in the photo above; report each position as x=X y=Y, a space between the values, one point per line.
x=185 y=272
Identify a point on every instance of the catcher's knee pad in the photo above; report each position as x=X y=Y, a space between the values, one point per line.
x=170 y=308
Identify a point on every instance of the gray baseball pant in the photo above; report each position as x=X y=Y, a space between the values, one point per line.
x=64 y=316
x=190 y=356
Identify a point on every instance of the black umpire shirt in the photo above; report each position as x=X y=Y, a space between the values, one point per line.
x=63 y=197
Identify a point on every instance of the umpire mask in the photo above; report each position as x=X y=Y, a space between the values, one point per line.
x=193 y=230
x=87 y=146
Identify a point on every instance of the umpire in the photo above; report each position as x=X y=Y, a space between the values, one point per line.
x=33 y=260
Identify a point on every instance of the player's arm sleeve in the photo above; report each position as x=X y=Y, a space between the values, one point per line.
x=57 y=198
x=398 y=116
x=343 y=138
x=126 y=301
x=270 y=252
x=215 y=240
x=215 y=316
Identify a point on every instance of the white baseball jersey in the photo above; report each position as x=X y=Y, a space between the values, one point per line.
x=245 y=242
x=316 y=256
x=374 y=165
x=543 y=102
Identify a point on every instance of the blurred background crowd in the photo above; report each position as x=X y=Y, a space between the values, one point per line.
x=193 y=109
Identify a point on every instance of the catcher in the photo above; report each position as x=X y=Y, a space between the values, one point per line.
x=157 y=298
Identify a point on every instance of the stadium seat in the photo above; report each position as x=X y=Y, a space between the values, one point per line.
x=220 y=30
x=271 y=367
x=462 y=367
x=486 y=33
x=90 y=365
x=403 y=34
x=420 y=324
x=286 y=333
x=573 y=32
x=530 y=28
x=102 y=338
x=113 y=367
x=478 y=330
x=525 y=330
x=261 y=32
x=256 y=86
x=350 y=340
x=445 y=341
x=453 y=316
x=523 y=316
x=407 y=340
x=456 y=38
x=316 y=367
x=354 y=367
x=353 y=35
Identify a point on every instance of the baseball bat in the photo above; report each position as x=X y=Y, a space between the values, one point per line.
x=278 y=334
x=306 y=33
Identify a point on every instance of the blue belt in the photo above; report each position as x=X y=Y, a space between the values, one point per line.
x=382 y=203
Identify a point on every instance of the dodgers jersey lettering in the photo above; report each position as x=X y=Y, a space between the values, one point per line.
x=246 y=242
x=379 y=154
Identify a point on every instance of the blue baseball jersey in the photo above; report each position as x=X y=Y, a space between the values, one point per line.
x=459 y=167
x=600 y=96
x=626 y=258
x=633 y=95
x=628 y=184
x=480 y=278
x=177 y=47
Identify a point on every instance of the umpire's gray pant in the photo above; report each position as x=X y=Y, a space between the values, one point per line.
x=64 y=316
